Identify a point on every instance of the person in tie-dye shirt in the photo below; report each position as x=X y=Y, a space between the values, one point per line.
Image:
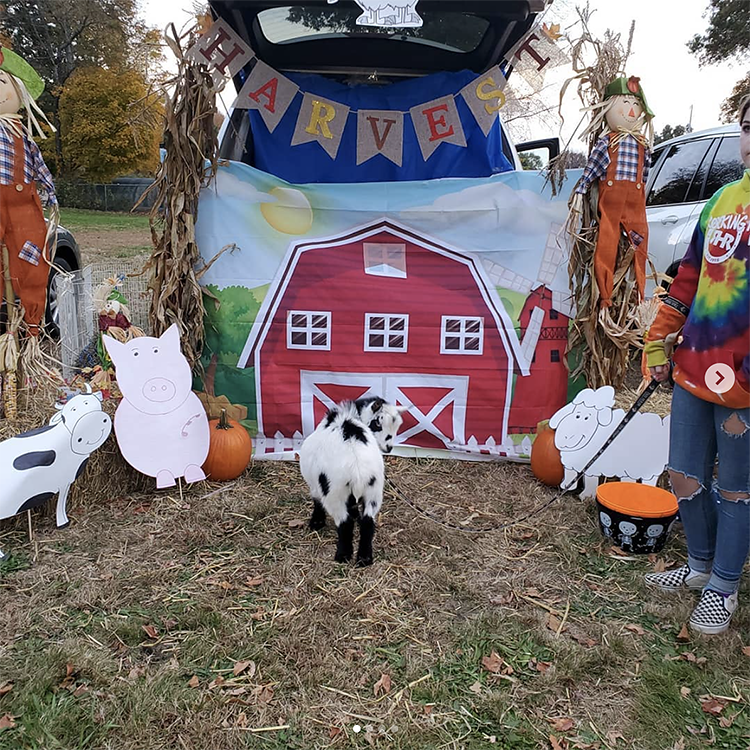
x=707 y=312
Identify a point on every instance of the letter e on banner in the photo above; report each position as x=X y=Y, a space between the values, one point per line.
x=222 y=50
x=437 y=122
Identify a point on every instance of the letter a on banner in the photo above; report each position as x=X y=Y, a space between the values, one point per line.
x=437 y=122
x=485 y=97
x=222 y=50
x=268 y=92
x=322 y=121
x=380 y=131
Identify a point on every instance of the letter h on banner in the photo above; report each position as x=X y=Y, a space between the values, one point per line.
x=222 y=50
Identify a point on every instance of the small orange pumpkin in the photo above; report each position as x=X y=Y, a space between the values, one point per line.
x=230 y=449
x=545 y=457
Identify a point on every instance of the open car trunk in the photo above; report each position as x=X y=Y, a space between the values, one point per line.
x=315 y=36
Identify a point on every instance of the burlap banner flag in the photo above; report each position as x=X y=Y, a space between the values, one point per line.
x=485 y=97
x=322 y=121
x=222 y=50
x=437 y=122
x=380 y=131
x=537 y=53
x=268 y=92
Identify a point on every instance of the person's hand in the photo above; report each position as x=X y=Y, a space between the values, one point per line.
x=659 y=373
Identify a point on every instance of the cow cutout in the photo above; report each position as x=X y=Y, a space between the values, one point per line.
x=44 y=462
x=160 y=425
x=391 y=13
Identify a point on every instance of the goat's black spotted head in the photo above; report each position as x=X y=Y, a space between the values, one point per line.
x=383 y=419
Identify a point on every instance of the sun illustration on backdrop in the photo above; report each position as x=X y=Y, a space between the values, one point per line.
x=290 y=213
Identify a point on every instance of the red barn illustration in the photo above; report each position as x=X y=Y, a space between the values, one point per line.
x=385 y=312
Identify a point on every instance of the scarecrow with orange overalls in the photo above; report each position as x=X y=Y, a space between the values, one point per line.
x=620 y=162
x=25 y=181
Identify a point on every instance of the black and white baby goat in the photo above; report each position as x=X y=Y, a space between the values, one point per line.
x=342 y=463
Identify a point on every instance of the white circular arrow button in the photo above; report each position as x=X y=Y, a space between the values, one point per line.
x=719 y=378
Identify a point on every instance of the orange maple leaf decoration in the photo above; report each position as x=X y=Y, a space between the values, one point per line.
x=551 y=32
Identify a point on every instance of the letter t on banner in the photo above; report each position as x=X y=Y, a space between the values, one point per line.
x=268 y=92
x=537 y=53
x=380 y=132
x=222 y=50
x=437 y=122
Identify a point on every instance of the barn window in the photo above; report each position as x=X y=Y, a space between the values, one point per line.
x=461 y=335
x=385 y=259
x=386 y=333
x=308 y=330
x=553 y=315
x=554 y=355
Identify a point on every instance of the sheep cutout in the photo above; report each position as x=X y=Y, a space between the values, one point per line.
x=396 y=13
x=581 y=427
x=37 y=465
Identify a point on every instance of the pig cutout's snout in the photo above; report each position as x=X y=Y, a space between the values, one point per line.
x=159 y=390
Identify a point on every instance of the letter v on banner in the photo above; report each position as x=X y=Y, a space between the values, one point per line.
x=222 y=50
x=268 y=92
x=380 y=131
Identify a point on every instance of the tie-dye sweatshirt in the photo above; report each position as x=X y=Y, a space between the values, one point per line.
x=710 y=301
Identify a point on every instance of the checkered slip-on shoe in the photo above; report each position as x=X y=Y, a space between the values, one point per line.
x=678 y=579
x=713 y=613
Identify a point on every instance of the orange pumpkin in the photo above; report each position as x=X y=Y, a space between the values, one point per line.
x=545 y=458
x=230 y=449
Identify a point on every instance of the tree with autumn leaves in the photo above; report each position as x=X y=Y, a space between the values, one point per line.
x=97 y=59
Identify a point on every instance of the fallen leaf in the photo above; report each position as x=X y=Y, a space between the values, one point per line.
x=563 y=724
x=7 y=722
x=150 y=631
x=713 y=706
x=493 y=663
x=383 y=685
x=296 y=524
x=584 y=640
x=554 y=623
x=241 y=720
x=540 y=666
x=555 y=744
x=242 y=666
x=80 y=690
x=613 y=736
x=746 y=650
x=618 y=551
x=476 y=688
x=429 y=706
x=726 y=721
x=685 y=691
x=264 y=694
x=253 y=581
x=684 y=634
x=136 y=672
x=634 y=628
x=218 y=682
x=193 y=681
x=334 y=732
x=679 y=745
x=504 y=599
x=660 y=565
x=236 y=691
x=6 y=687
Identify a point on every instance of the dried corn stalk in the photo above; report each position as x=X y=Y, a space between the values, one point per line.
x=190 y=162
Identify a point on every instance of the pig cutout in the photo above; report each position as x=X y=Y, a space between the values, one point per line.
x=160 y=425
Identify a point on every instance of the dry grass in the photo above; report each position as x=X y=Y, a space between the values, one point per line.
x=230 y=574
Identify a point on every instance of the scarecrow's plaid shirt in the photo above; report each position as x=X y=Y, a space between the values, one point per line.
x=627 y=162
x=34 y=167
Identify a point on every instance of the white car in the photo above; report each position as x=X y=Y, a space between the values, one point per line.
x=686 y=171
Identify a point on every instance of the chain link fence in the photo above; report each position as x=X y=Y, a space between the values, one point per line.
x=120 y=195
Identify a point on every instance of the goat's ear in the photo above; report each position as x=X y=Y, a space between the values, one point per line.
x=377 y=405
x=402 y=409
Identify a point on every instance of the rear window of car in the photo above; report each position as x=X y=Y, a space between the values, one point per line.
x=726 y=166
x=677 y=172
x=457 y=32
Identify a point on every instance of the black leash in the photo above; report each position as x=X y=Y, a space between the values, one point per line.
x=634 y=409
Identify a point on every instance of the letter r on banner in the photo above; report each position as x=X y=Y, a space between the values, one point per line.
x=320 y=117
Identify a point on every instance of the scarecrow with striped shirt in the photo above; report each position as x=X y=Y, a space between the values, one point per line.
x=619 y=162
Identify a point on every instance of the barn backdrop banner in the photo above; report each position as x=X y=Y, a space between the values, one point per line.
x=449 y=296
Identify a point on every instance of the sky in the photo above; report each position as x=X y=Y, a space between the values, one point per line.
x=671 y=78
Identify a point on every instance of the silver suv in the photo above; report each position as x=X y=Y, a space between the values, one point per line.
x=685 y=173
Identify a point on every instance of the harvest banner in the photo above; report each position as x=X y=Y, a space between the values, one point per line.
x=449 y=296
x=323 y=121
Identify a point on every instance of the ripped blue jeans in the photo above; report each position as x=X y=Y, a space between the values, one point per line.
x=717 y=529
